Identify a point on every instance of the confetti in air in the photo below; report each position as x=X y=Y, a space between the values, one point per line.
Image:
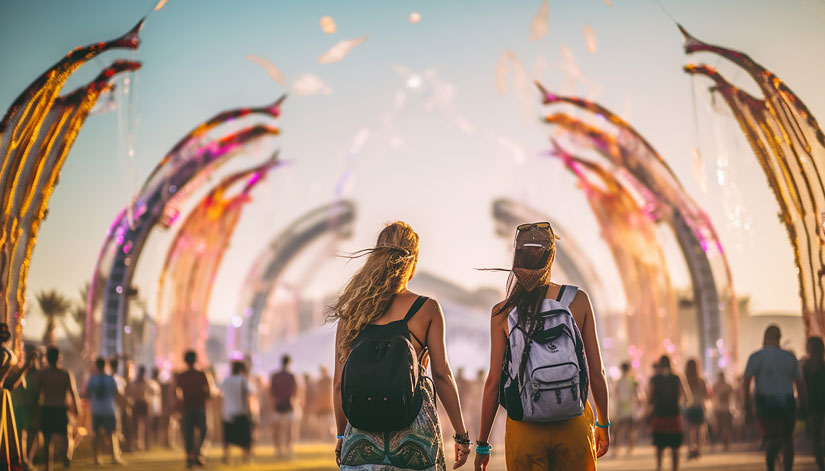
x=539 y=25
x=270 y=68
x=590 y=39
x=328 y=25
x=415 y=17
x=161 y=4
x=308 y=84
x=340 y=50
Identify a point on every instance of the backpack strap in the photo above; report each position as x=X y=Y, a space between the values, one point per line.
x=566 y=295
x=415 y=307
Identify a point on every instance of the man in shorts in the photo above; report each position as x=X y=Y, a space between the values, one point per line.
x=55 y=384
x=775 y=372
x=283 y=388
x=103 y=392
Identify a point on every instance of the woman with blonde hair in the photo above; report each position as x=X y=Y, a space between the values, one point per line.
x=385 y=409
x=544 y=360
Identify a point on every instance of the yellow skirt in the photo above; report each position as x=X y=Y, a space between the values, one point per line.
x=568 y=445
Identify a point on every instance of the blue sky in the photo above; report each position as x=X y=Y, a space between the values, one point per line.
x=416 y=164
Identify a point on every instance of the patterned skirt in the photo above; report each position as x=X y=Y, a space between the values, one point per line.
x=418 y=447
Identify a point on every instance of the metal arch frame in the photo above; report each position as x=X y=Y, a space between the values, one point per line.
x=276 y=257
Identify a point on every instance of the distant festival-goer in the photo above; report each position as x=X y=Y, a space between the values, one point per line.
x=722 y=393
x=11 y=376
x=237 y=423
x=814 y=373
x=27 y=408
x=103 y=392
x=666 y=394
x=193 y=391
x=138 y=396
x=695 y=412
x=626 y=397
x=55 y=385
x=775 y=372
x=563 y=443
x=324 y=406
x=283 y=389
x=377 y=308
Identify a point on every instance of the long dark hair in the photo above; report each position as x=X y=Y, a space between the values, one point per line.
x=816 y=356
x=528 y=302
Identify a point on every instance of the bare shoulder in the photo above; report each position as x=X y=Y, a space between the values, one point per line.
x=581 y=302
x=497 y=315
x=430 y=309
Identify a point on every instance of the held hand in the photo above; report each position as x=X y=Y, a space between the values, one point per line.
x=602 y=441
x=481 y=461
x=462 y=452
x=338 y=446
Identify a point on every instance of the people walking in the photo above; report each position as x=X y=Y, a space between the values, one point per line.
x=544 y=360
x=721 y=395
x=385 y=410
x=104 y=392
x=193 y=391
x=138 y=398
x=813 y=370
x=625 y=395
x=666 y=394
x=56 y=385
x=695 y=412
x=283 y=389
x=775 y=372
x=236 y=412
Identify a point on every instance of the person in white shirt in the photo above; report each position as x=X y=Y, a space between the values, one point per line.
x=626 y=392
x=237 y=425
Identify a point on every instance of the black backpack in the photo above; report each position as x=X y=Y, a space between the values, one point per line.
x=380 y=382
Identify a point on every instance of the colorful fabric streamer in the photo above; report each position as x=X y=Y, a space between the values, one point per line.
x=36 y=135
x=790 y=147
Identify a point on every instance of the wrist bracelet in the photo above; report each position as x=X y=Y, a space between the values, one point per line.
x=602 y=426
x=463 y=439
x=483 y=449
x=339 y=437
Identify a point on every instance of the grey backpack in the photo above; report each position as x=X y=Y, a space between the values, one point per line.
x=544 y=377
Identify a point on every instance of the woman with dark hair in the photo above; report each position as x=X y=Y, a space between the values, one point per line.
x=542 y=439
x=378 y=313
x=813 y=370
x=237 y=422
x=666 y=394
x=695 y=412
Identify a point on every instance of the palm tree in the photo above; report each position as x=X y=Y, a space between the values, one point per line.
x=53 y=305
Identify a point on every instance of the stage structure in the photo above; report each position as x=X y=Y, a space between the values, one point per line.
x=790 y=148
x=192 y=262
x=335 y=219
x=36 y=134
x=665 y=200
x=630 y=232
x=181 y=172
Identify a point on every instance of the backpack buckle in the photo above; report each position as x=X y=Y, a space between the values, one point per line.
x=558 y=396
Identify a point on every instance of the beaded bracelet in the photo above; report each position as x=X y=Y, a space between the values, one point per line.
x=602 y=426
x=463 y=439
x=339 y=437
x=483 y=449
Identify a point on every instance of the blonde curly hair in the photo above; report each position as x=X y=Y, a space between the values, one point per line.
x=370 y=292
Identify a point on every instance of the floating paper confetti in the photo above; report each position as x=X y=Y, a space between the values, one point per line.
x=415 y=17
x=270 y=68
x=308 y=84
x=590 y=39
x=328 y=25
x=609 y=3
x=699 y=169
x=340 y=50
x=160 y=4
x=538 y=27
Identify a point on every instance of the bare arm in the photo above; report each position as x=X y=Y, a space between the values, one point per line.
x=801 y=392
x=442 y=374
x=340 y=417
x=746 y=391
x=73 y=393
x=489 y=398
x=595 y=366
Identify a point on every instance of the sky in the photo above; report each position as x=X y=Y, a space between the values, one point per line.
x=414 y=117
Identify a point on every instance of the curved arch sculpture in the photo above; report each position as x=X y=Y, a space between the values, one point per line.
x=631 y=235
x=262 y=280
x=650 y=176
x=172 y=181
x=193 y=260
x=790 y=147
x=36 y=134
